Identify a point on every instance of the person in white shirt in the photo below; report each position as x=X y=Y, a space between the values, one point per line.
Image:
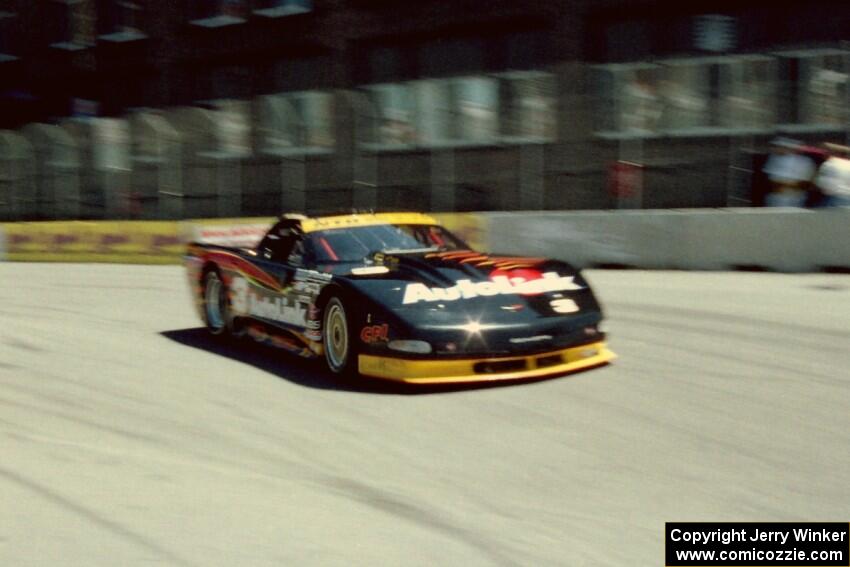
x=833 y=178
x=790 y=174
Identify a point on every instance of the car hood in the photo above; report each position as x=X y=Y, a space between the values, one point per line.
x=470 y=303
x=454 y=286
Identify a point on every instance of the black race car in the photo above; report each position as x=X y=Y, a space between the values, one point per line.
x=397 y=296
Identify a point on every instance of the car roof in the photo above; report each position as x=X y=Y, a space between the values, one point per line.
x=312 y=224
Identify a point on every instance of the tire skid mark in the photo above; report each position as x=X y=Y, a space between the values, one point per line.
x=23 y=345
x=134 y=435
x=314 y=474
x=387 y=503
x=82 y=385
x=58 y=399
x=92 y=516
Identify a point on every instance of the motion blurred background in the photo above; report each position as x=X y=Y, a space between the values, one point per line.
x=201 y=108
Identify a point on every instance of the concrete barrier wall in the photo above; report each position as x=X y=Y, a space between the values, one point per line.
x=786 y=240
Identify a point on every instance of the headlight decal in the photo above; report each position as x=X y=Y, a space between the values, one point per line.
x=417 y=347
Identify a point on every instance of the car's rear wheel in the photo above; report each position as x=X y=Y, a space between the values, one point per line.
x=216 y=303
x=340 y=349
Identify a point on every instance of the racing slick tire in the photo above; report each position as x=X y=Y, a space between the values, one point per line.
x=338 y=339
x=216 y=304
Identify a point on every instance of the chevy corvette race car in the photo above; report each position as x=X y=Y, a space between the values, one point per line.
x=397 y=296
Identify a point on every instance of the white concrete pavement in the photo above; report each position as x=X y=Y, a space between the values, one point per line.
x=129 y=438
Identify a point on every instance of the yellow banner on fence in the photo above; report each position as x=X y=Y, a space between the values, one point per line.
x=159 y=242
x=135 y=242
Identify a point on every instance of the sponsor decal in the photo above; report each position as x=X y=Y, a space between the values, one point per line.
x=534 y=339
x=306 y=288
x=499 y=285
x=564 y=306
x=369 y=271
x=314 y=324
x=312 y=275
x=375 y=333
x=246 y=301
x=309 y=282
x=238 y=235
x=234 y=262
x=353 y=220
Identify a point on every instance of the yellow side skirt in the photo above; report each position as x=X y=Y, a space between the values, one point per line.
x=462 y=370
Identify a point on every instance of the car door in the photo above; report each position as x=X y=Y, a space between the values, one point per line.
x=279 y=305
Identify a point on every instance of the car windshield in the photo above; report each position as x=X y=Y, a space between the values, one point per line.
x=358 y=243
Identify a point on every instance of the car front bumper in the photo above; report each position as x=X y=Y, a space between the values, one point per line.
x=481 y=369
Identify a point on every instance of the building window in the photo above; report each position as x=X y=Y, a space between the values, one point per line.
x=281 y=8
x=433 y=112
x=218 y=13
x=120 y=20
x=295 y=122
x=747 y=92
x=457 y=111
x=111 y=144
x=475 y=102
x=697 y=96
x=393 y=115
x=822 y=88
x=71 y=24
x=628 y=99
x=528 y=106
x=475 y=110
x=685 y=91
x=8 y=43
x=232 y=127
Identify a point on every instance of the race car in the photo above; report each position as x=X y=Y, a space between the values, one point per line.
x=397 y=296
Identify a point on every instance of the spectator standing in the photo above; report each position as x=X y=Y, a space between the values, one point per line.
x=790 y=174
x=833 y=178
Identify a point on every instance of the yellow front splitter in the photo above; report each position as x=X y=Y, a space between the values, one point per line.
x=464 y=370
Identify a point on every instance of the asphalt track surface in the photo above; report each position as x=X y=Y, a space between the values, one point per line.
x=129 y=438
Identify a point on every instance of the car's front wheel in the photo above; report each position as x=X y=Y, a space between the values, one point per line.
x=340 y=349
